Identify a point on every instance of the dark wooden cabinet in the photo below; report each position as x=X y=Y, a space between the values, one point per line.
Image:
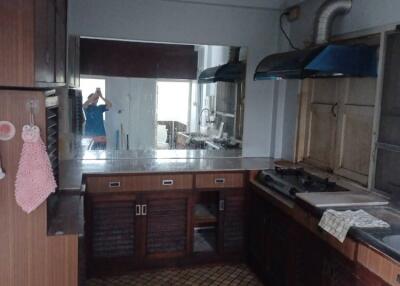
x=278 y=248
x=165 y=224
x=285 y=252
x=131 y=231
x=232 y=210
x=147 y=220
x=32 y=49
x=258 y=217
x=61 y=41
x=112 y=233
x=73 y=61
x=339 y=271
x=269 y=241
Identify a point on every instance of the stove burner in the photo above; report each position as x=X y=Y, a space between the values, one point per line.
x=293 y=181
x=286 y=171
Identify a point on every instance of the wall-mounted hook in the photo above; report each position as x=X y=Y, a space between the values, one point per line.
x=32 y=107
x=2 y=174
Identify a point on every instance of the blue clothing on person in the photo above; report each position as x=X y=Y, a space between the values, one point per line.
x=94 y=120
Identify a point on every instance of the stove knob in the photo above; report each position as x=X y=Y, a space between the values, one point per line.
x=293 y=191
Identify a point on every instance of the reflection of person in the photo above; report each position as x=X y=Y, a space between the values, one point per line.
x=94 y=127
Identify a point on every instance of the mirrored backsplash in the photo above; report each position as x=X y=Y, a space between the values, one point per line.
x=118 y=112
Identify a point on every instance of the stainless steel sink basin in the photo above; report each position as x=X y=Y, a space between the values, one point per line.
x=392 y=241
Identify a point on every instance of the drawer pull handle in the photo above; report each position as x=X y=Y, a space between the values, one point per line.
x=220 y=180
x=221 y=205
x=114 y=184
x=144 y=209
x=138 y=210
x=167 y=182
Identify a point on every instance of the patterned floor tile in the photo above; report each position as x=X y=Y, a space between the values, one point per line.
x=211 y=275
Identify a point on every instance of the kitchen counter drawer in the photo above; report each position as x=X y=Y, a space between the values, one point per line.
x=139 y=183
x=219 y=180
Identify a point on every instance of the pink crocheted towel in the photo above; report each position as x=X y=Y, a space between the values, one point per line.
x=35 y=180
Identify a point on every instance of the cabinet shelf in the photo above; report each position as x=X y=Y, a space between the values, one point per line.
x=205 y=239
x=205 y=214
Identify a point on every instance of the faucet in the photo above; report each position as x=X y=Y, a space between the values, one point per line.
x=201 y=113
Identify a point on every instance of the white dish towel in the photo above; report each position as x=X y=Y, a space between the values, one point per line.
x=338 y=223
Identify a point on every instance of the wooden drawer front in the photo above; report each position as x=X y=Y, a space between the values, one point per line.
x=384 y=267
x=106 y=184
x=140 y=183
x=160 y=182
x=220 y=180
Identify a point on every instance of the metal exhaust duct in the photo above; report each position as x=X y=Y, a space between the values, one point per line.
x=325 y=16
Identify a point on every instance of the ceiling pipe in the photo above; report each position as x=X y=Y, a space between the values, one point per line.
x=234 y=53
x=325 y=16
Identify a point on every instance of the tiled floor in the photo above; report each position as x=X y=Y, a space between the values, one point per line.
x=214 y=275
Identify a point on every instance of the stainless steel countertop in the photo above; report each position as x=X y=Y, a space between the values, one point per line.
x=155 y=154
x=72 y=170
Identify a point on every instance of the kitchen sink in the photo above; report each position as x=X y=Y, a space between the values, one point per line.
x=393 y=241
x=196 y=136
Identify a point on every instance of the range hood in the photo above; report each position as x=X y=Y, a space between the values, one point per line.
x=232 y=71
x=318 y=62
x=323 y=59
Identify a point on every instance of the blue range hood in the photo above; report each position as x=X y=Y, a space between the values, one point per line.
x=332 y=60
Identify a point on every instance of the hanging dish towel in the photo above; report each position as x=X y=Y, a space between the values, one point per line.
x=35 y=180
x=338 y=223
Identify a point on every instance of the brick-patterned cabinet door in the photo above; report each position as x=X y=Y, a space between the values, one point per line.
x=111 y=234
x=166 y=225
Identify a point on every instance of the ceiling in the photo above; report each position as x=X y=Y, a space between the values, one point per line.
x=257 y=4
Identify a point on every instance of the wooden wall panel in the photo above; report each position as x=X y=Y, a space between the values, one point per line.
x=61 y=266
x=16 y=22
x=24 y=243
x=134 y=59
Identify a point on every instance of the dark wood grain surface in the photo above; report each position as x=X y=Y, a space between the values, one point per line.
x=137 y=59
x=28 y=255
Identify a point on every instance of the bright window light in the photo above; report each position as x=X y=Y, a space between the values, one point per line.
x=89 y=85
x=173 y=101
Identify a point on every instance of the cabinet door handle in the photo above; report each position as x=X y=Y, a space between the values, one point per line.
x=114 y=184
x=144 y=209
x=168 y=182
x=334 y=109
x=219 y=180
x=221 y=205
x=138 y=210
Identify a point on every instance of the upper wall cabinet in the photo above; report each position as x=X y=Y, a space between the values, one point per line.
x=33 y=43
x=335 y=125
x=73 y=61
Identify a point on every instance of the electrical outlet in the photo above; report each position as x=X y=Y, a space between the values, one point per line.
x=293 y=13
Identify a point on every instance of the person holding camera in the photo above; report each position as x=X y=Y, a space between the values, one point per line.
x=94 y=126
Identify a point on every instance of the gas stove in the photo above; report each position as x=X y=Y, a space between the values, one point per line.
x=289 y=182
